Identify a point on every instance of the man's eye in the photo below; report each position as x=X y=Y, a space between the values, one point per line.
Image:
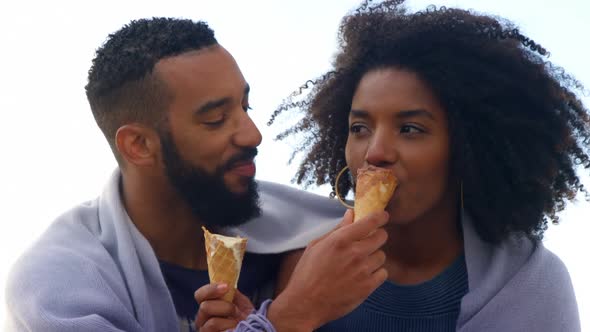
x=215 y=123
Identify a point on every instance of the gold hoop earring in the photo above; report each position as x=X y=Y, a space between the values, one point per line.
x=338 y=192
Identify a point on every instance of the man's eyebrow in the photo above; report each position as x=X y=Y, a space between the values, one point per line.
x=212 y=104
x=217 y=103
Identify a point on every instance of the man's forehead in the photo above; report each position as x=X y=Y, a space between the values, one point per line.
x=211 y=67
x=199 y=79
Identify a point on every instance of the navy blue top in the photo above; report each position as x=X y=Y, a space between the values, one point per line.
x=430 y=306
x=256 y=279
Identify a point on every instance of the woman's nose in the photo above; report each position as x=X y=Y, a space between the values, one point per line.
x=381 y=151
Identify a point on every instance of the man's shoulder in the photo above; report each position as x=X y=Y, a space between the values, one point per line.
x=67 y=272
x=273 y=192
x=73 y=232
x=67 y=251
x=290 y=219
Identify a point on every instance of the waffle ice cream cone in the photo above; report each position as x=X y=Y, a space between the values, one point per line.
x=224 y=260
x=374 y=188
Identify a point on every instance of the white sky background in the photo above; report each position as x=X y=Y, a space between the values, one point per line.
x=54 y=156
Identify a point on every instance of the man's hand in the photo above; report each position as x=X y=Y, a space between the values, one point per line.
x=218 y=315
x=335 y=274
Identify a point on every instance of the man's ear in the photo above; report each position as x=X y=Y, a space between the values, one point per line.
x=138 y=144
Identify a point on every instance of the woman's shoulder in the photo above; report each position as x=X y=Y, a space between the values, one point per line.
x=519 y=284
x=544 y=286
x=550 y=268
x=516 y=255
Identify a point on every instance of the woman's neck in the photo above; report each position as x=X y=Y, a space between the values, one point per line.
x=420 y=250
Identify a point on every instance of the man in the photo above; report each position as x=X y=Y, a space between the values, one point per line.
x=173 y=106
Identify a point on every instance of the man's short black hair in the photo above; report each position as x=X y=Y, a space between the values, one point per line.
x=122 y=87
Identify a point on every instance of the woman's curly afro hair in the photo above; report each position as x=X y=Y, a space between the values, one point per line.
x=518 y=129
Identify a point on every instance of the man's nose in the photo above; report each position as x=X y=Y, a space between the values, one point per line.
x=247 y=135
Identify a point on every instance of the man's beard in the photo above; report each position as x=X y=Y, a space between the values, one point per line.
x=207 y=194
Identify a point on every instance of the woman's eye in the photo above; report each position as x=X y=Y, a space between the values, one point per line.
x=411 y=129
x=247 y=108
x=356 y=129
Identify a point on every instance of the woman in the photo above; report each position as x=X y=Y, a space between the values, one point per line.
x=484 y=137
